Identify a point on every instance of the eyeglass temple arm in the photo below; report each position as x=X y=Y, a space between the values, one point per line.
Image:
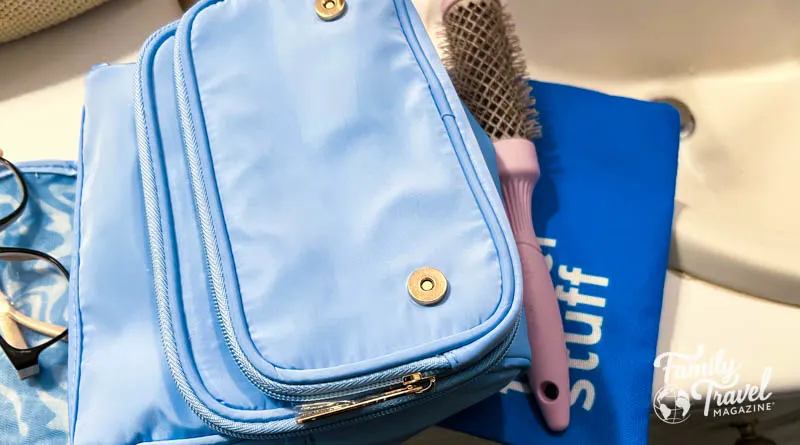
x=10 y=316
x=42 y=327
x=9 y=328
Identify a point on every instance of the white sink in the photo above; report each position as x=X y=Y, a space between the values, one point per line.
x=736 y=65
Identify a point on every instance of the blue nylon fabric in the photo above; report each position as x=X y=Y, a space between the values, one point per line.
x=604 y=204
x=35 y=410
x=220 y=381
x=118 y=354
x=340 y=129
x=39 y=406
x=182 y=198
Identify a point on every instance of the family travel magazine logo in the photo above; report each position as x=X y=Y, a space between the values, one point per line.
x=715 y=381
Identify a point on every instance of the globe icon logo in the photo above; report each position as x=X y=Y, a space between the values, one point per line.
x=672 y=405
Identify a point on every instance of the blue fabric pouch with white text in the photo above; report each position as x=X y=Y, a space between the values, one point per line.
x=603 y=211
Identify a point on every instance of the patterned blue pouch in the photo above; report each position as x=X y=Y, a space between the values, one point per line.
x=603 y=209
x=35 y=410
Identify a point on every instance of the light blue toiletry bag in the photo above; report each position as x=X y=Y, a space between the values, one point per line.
x=254 y=197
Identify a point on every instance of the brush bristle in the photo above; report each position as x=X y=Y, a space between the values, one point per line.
x=483 y=56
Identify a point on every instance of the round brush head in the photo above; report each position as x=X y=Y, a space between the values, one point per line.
x=484 y=59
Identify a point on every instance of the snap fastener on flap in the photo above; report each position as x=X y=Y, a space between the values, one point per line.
x=330 y=9
x=427 y=286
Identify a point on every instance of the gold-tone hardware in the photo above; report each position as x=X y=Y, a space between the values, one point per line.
x=411 y=384
x=330 y=9
x=427 y=286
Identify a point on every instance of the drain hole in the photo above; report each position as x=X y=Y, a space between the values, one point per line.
x=688 y=123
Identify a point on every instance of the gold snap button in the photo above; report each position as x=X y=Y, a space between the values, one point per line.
x=427 y=286
x=330 y=9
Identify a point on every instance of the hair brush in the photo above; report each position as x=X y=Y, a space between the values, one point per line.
x=484 y=60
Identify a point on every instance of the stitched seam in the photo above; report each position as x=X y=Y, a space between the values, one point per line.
x=219 y=292
x=75 y=312
x=458 y=145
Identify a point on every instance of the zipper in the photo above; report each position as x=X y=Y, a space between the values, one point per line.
x=459 y=379
x=411 y=384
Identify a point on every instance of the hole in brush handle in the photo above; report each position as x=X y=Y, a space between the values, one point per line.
x=549 y=390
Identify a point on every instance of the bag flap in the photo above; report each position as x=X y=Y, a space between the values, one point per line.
x=325 y=163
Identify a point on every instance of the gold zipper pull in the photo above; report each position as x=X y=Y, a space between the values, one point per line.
x=411 y=384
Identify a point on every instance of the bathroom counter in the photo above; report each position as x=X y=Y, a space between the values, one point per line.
x=41 y=95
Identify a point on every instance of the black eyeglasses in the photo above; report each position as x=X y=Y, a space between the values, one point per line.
x=20 y=269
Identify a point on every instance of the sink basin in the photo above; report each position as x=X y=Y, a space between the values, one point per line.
x=736 y=67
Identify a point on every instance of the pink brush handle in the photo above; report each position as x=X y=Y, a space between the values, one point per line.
x=549 y=373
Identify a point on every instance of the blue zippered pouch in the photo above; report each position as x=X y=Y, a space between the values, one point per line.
x=603 y=209
x=265 y=201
